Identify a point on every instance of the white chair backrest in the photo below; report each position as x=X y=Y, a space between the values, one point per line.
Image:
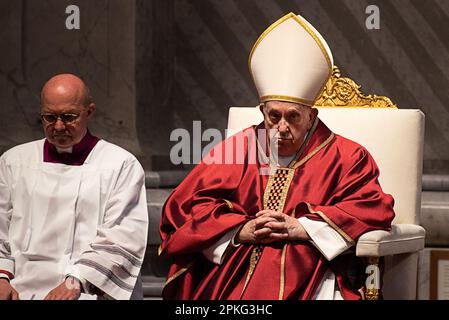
x=394 y=137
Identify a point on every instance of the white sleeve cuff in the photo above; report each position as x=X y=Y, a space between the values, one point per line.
x=7 y=265
x=73 y=271
x=216 y=252
x=4 y=276
x=328 y=241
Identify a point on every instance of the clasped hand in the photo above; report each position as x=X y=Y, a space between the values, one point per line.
x=270 y=226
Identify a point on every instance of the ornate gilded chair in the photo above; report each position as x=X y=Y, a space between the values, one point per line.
x=394 y=137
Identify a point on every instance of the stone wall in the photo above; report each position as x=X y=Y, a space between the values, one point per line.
x=157 y=65
x=154 y=66
x=197 y=52
x=37 y=45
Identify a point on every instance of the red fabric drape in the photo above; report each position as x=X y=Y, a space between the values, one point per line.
x=338 y=184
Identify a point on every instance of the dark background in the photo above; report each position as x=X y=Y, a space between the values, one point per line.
x=157 y=65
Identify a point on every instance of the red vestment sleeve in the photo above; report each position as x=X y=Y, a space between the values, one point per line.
x=358 y=204
x=198 y=212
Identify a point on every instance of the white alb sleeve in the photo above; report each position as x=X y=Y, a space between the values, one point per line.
x=113 y=259
x=6 y=260
x=328 y=241
x=215 y=252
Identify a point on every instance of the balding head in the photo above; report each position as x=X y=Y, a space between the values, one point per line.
x=67 y=97
x=66 y=88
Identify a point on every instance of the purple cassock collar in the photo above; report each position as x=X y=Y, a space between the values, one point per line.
x=78 y=155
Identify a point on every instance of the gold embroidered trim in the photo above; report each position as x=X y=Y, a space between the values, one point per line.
x=265 y=33
x=332 y=224
x=282 y=278
x=177 y=274
x=255 y=255
x=286 y=98
x=314 y=152
x=323 y=49
x=274 y=198
x=159 y=250
x=273 y=186
x=229 y=204
x=305 y=143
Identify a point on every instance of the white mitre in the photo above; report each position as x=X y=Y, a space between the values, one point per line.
x=290 y=61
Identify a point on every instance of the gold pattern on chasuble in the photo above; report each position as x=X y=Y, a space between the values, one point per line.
x=274 y=198
x=277 y=188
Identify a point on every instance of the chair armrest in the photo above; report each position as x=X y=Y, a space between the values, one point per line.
x=403 y=238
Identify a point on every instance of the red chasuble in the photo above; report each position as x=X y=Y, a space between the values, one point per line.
x=334 y=180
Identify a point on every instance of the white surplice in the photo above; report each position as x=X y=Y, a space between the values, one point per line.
x=89 y=221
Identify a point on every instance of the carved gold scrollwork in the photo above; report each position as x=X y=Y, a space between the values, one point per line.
x=344 y=92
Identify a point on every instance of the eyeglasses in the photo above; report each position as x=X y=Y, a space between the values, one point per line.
x=65 y=117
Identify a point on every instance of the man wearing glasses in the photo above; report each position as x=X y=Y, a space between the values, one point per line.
x=73 y=215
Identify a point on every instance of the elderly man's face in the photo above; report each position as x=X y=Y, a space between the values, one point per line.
x=291 y=120
x=65 y=112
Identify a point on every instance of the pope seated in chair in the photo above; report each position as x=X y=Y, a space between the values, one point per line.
x=281 y=219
